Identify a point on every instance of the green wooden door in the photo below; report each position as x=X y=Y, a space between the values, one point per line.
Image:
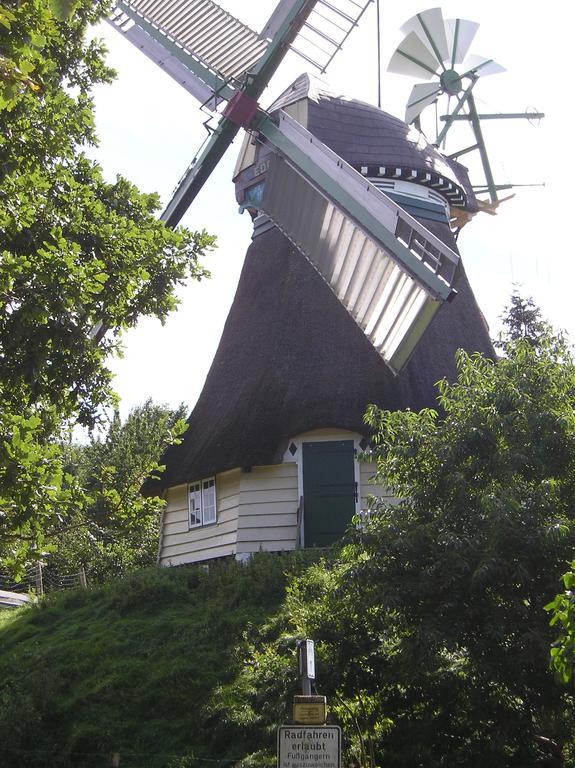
x=329 y=490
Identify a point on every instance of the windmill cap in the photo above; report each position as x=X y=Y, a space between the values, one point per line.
x=368 y=138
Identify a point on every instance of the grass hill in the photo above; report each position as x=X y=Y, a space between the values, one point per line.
x=131 y=667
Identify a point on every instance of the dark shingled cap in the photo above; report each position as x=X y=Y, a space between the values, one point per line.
x=364 y=135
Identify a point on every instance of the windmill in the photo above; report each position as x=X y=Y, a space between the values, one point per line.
x=437 y=50
x=409 y=272
x=347 y=296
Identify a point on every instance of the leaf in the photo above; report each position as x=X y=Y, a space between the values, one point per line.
x=38 y=40
x=26 y=67
x=6 y=17
x=63 y=9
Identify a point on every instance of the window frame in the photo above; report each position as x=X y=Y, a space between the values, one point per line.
x=198 y=491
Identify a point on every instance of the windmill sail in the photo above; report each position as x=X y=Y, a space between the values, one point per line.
x=218 y=58
x=326 y=29
x=202 y=46
x=390 y=273
x=210 y=52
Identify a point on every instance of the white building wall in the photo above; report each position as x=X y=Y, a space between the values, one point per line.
x=269 y=503
x=181 y=544
x=257 y=510
x=368 y=487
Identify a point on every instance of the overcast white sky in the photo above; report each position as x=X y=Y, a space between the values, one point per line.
x=150 y=129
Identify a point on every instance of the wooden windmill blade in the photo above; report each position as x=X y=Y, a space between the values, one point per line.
x=217 y=58
x=176 y=35
x=390 y=273
x=206 y=49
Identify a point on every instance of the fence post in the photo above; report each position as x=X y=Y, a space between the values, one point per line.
x=82 y=575
x=39 y=580
x=299 y=543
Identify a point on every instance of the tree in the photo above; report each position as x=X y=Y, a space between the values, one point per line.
x=20 y=57
x=432 y=641
x=81 y=261
x=562 y=609
x=522 y=320
x=118 y=529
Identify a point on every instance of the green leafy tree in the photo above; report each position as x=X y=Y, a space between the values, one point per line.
x=562 y=609
x=522 y=319
x=118 y=530
x=20 y=57
x=81 y=260
x=432 y=641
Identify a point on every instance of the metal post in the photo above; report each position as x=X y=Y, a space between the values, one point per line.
x=306 y=660
x=450 y=118
x=498 y=116
x=482 y=150
x=39 y=580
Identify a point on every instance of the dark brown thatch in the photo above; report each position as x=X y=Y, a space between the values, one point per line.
x=291 y=359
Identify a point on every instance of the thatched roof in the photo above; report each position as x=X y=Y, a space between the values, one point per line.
x=291 y=359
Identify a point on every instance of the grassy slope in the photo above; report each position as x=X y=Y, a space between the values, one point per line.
x=128 y=667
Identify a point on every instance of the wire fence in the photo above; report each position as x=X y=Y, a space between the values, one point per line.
x=38 y=580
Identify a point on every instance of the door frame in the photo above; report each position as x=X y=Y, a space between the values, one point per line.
x=324 y=436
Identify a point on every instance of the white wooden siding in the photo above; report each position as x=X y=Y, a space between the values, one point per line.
x=257 y=510
x=181 y=544
x=368 y=487
x=268 y=508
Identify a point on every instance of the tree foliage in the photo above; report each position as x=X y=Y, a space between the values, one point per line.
x=81 y=260
x=117 y=531
x=522 y=319
x=430 y=629
x=562 y=609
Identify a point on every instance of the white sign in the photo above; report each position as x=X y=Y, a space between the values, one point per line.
x=309 y=746
x=307 y=659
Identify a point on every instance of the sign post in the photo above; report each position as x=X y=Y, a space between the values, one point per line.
x=306 y=660
x=309 y=746
x=308 y=709
x=309 y=743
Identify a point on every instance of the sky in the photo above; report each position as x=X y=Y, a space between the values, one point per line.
x=150 y=129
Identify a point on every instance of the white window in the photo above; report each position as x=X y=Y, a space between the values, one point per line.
x=202 y=502
x=208 y=501
x=195 y=504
